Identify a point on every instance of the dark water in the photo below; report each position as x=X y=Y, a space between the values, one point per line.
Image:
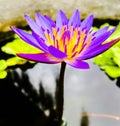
x=89 y=90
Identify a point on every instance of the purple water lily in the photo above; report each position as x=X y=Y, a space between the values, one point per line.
x=69 y=41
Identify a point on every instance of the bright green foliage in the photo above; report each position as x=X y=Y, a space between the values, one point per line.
x=15 y=61
x=3 y=66
x=109 y=61
x=3 y=74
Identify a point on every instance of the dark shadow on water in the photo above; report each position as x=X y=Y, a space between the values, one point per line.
x=22 y=105
x=99 y=22
x=118 y=82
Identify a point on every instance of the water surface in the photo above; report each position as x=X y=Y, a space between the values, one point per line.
x=90 y=90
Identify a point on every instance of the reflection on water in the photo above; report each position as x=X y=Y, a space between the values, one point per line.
x=22 y=105
x=86 y=92
x=89 y=89
x=84 y=119
x=93 y=91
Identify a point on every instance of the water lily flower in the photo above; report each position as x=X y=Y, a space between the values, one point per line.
x=70 y=41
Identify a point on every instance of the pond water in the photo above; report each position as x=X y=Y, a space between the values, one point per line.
x=89 y=90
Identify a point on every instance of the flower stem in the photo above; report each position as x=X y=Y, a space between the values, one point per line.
x=60 y=93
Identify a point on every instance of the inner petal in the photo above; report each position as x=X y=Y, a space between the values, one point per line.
x=49 y=39
x=76 y=42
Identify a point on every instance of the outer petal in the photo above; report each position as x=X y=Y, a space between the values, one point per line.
x=42 y=22
x=50 y=21
x=56 y=53
x=61 y=19
x=75 y=19
x=27 y=37
x=78 y=64
x=34 y=27
x=98 y=41
x=42 y=58
x=98 y=50
x=102 y=37
x=100 y=31
x=40 y=41
x=87 y=23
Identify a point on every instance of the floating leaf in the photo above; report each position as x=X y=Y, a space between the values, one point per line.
x=113 y=71
x=3 y=74
x=3 y=65
x=107 y=56
x=15 y=61
x=116 y=57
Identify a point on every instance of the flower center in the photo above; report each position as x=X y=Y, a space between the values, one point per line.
x=71 y=40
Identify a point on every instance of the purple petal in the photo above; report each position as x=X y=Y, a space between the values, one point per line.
x=56 y=53
x=34 y=27
x=27 y=37
x=78 y=64
x=75 y=19
x=100 y=31
x=87 y=23
x=41 y=42
x=98 y=50
x=100 y=39
x=61 y=19
x=42 y=22
x=50 y=21
x=42 y=58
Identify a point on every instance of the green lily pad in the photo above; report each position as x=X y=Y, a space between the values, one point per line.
x=116 y=56
x=3 y=65
x=113 y=71
x=105 y=59
x=3 y=74
x=15 y=61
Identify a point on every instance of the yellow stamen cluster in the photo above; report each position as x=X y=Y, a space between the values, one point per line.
x=69 y=40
